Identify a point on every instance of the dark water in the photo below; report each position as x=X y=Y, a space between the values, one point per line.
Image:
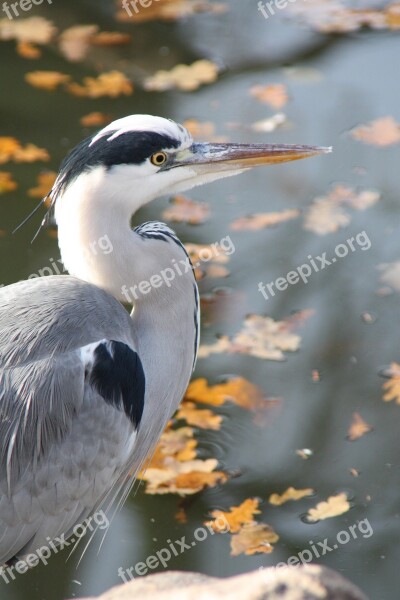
x=358 y=80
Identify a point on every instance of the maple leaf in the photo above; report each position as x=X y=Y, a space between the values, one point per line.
x=184 y=210
x=381 y=132
x=205 y=419
x=391 y=387
x=358 y=427
x=7 y=183
x=333 y=507
x=263 y=220
x=253 y=538
x=46 y=80
x=183 y=77
x=45 y=183
x=290 y=494
x=275 y=94
x=235 y=518
x=112 y=84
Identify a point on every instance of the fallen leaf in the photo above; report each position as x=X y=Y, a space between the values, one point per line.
x=45 y=183
x=11 y=149
x=270 y=124
x=205 y=419
x=381 y=132
x=333 y=507
x=238 y=390
x=275 y=94
x=169 y=10
x=181 y=515
x=263 y=220
x=198 y=130
x=112 y=84
x=205 y=258
x=253 y=539
x=7 y=183
x=182 y=478
x=391 y=387
x=95 y=119
x=327 y=214
x=236 y=517
x=46 y=80
x=290 y=494
x=75 y=41
x=34 y=30
x=28 y=50
x=358 y=428
x=185 y=210
x=111 y=38
x=183 y=77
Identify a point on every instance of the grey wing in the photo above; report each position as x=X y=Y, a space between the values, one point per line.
x=68 y=418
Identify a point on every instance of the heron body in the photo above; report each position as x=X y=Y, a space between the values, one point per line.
x=86 y=388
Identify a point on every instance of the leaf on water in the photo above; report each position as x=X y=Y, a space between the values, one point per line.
x=268 y=125
x=263 y=220
x=28 y=50
x=183 y=77
x=391 y=387
x=182 y=478
x=235 y=517
x=327 y=214
x=11 y=149
x=261 y=337
x=95 y=119
x=333 y=507
x=181 y=515
x=46 y=80
x=111 y=38
x=208 y=260
x=176 y=443
x=200 y=130
x=185 y=210
x=274 y=94
x=238 y=390
x=381 y=132
x=112 y=84
x=391 y=274
x=358 y=428
x=45 y=183
x=205 y=418
x=74 y=42
x=256 y=538
x=290 y=494
x=169 y=10
x=35 y=30
x=7 y=183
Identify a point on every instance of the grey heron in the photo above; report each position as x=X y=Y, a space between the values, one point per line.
x=86 y=388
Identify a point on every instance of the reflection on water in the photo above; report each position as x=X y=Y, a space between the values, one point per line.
x=334 y=83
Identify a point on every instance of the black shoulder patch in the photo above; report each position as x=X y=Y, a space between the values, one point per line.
x=117 y=375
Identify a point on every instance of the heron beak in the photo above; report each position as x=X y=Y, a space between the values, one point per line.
x=208 y=157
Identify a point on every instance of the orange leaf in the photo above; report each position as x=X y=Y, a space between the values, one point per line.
x=112 y=84
x=290 y=494
x=184 y=210
x=237 y=390
x=7 y=183
x=205 y=419
x=46 y=80
x=253 y=539
x=275 y=94
x=236 y=517
x=358 y=428
x=28 y=50
x=381 y=132
x=263 y=220
x=183 y=77
x=391 y=387
x=45 y=183
x=95 y=119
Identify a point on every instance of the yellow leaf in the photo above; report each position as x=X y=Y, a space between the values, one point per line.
x=358 y=427
x=252 y=539
x=263 y=220
x=236 y=517
x=184 y=210
x=11 y=149
x=7 y=183
x=205 y=419
x=45 y=183
x=28 y=50
x=237 y=390
x=391 y=387
x=275 y=94
x=112 y=84
x=46 y=80
x=183 y=478
x=35 y=30
x=95 y=119
x=184 y=77
x=333 y=507
x=290 y=494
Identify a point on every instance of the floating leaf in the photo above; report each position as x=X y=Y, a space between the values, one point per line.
x=275 y=94
x=238 y=390
x=236 y=517
x=7 y=183
x=206 y=258
x=111 y=38
x=381 y=132
x=290 y=494
x=183 y=77
x=198 y=130
x=28 y=50
x=34 y=30
x=270 y=124
x=46 y=80
x=391 y=387
x=358 y=428
x=263 y=220
x=253 y=539
x=45 y=183
x=185 y=210
x=95 y=119
x=112 y=84
x=205 y=419
x=11 y=149
x=168 y=10
x=333 y=507
x=182 y=478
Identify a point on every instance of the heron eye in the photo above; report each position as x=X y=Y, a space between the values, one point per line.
x=158 y=158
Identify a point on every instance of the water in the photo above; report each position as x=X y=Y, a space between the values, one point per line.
x=357 y=81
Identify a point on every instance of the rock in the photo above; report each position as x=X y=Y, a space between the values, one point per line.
x=308 y=582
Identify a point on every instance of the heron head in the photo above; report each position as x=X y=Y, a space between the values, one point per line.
x=140 y=157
